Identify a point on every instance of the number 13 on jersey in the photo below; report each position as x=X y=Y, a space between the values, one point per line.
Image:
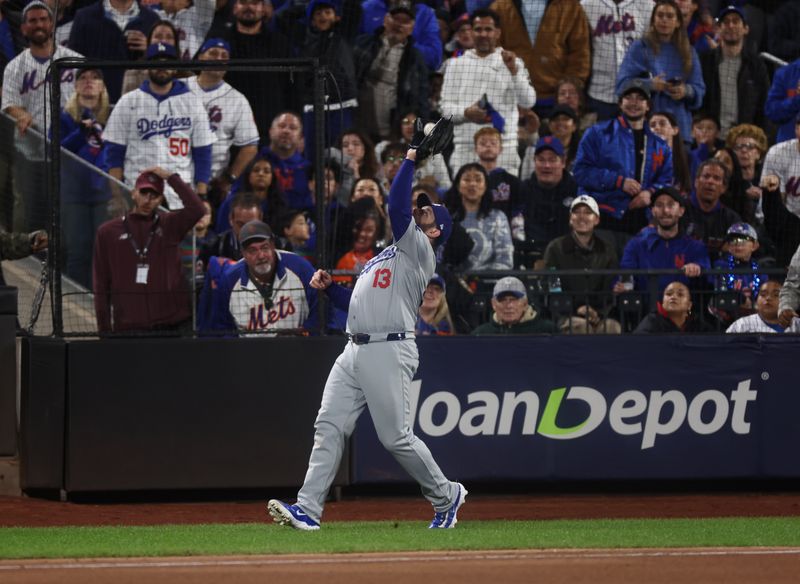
x=383 y=278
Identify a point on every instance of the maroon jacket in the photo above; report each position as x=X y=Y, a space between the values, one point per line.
x=119 y=302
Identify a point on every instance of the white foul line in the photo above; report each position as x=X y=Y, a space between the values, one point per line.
x=92 y=564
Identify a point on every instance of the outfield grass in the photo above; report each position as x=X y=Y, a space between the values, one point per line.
x=348 y=537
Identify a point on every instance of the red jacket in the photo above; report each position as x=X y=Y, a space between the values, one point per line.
x=119 y=302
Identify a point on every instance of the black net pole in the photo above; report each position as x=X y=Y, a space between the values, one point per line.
x=54 y=152
x=320 y=184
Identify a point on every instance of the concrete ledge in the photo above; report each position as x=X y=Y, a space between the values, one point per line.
x=9 y=477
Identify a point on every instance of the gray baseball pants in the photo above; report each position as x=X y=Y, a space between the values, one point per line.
x=378 y=376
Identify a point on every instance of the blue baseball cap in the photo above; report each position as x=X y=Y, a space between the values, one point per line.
x=549 y=143
x=443 y=219
x=161 y=51
x=437 y=280
x=741 y=230
x=728 y=9
x=215 y=42
x=314 y=4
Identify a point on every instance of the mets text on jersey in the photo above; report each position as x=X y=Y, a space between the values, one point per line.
x=165 y=126
x=29 y=82
x=261 y=319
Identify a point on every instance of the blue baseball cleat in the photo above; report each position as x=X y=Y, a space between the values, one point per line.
x=447 y=519
x=293 y=515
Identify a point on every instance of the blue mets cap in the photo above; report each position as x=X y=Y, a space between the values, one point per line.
x=550 y=143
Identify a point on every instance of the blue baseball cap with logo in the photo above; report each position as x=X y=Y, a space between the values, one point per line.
x=728 y=9
x=161 y=51
x=442 y=216
x=215 y=42
x=549 y=143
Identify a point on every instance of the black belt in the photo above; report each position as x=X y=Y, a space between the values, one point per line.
x=364 y=338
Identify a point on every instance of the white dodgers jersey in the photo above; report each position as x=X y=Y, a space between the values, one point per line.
x=389 y=289
x=159 y=131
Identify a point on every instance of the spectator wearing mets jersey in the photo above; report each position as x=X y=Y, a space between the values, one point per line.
x=229 y=115
x=161 y=123
x=267 y=291
x=24 y=77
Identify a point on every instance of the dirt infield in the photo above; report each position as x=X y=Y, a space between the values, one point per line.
x=732 y=566
x=41 y=513
x=729 y=565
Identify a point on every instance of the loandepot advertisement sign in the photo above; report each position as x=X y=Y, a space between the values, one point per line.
x=646 y=416
x=660 y=407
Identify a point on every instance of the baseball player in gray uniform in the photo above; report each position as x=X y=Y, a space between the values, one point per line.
x=377 y=365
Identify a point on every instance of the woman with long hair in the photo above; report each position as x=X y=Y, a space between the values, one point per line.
x=665 y=125
x=164 y=32
x=434 y=313
x=362 y=247
x=667 y=60
x=357 y=156
x=488 y=228
x=84 y=192
x=259 y=179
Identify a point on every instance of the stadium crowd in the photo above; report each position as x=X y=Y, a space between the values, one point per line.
x=588 y=135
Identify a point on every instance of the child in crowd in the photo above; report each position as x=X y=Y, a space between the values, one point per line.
x=294 y=232
x=741 y=242
x=705 y=140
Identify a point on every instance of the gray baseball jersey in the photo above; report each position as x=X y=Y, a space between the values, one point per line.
x=378 y=374
x=389 y=289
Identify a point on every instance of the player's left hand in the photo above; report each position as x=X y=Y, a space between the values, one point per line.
x=321 y=280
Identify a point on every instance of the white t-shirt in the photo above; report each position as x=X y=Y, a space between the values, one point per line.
x=231 y=119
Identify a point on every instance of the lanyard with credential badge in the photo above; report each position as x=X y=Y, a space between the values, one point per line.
x=142 y=268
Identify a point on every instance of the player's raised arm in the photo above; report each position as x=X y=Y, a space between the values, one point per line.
x=429 y=139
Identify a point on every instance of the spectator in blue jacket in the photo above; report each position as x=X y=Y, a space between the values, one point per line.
x=670 y=65
x=426 y=27
x=783 y=100
x=84 y=192
x=621 y=162
x=664 y=246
